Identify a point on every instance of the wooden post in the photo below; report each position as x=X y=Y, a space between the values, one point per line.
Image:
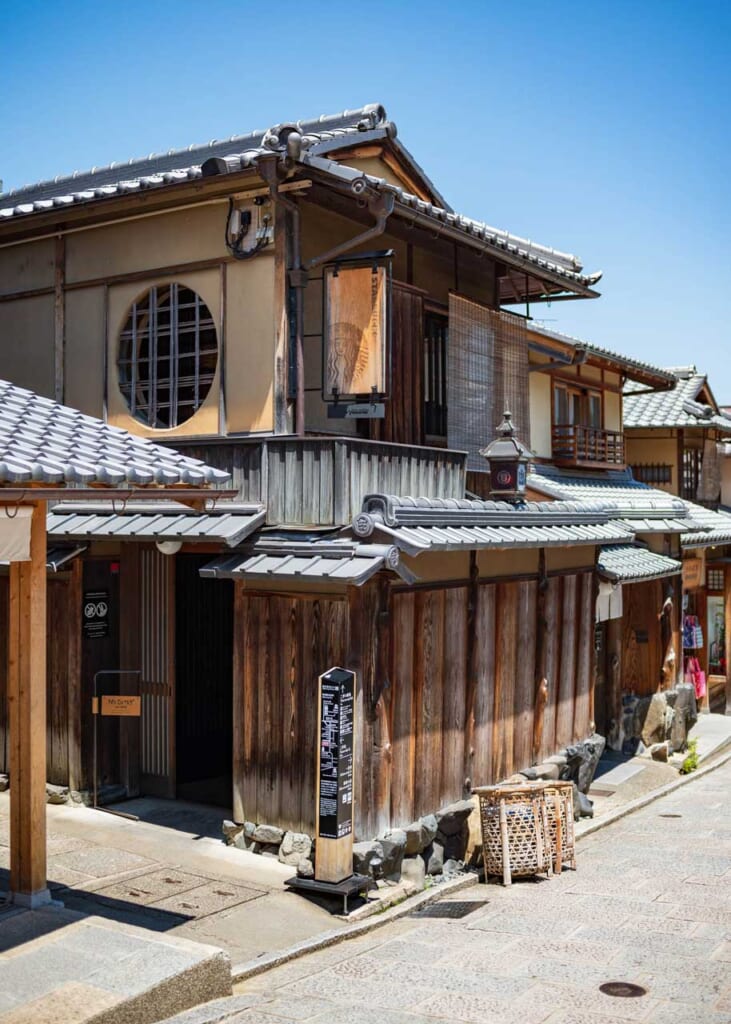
x=240 y=681
x=59 y=317
x=77 y=774
x=727 y=631
x=27 y=720
x=130 y=658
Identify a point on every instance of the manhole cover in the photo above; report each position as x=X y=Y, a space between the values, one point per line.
x=449 y=908
x=624 y=989
x=670 y=815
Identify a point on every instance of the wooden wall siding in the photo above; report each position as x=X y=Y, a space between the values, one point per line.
x=58 y=710
x=446 y=727
x=447 y=680
x=642 y=659
x=553 y=618
x=4 y=626
x=322 y=481
x=284 y=643
x=404 y=409
x=59 y=617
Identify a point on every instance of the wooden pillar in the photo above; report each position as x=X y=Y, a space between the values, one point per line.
x=727 y=633
x=240 y=683
x=77 y=776
x=130 y=657
x=614 y=672
x=27 y=720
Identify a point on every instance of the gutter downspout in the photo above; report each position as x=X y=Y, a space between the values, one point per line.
x=381 y=206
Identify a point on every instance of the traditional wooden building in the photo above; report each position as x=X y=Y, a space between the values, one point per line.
x=302 y=308
x=677 y=440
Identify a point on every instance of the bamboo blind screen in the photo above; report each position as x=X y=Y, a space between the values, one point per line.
x=709 y=485
x=487 y=373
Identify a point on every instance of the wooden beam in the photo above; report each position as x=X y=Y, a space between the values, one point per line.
x=59 y=317
x=27 y=720
x=727 y=620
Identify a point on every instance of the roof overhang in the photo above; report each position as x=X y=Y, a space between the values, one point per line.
x=229 y=524
x=630 y=563
x=312 y=561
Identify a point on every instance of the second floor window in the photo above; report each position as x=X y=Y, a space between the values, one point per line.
x=576 y=407
x=168 y=353
x=436 y=332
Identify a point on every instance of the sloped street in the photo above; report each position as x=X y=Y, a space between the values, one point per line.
x=649 y=905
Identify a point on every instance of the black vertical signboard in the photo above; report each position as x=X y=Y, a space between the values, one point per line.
x=335 y=783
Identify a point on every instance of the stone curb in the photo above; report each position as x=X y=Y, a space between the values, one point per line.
x=240 y=972
x=656 y=794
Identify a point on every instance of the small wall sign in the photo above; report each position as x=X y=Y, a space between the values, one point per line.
x=95 y=614
x=122 y=705
x=693 y=573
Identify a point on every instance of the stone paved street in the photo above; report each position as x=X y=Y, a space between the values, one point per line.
x=650 y=904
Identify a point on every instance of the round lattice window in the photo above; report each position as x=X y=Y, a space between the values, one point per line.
x=168 y=351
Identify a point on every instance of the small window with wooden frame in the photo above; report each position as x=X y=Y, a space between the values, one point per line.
x=436 y=336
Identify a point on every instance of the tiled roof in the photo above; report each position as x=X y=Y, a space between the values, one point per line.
x=640 y=507
x=675 y=408
x=228 y=524
x=159 y=169
x=716 y=524
x=441 y=524
x=324 y=561
x=628 y=364
x=539 y=258
x=44 y=442
x=320 y=136
x=626 y=563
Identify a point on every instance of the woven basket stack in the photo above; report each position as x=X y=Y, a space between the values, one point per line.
x=527 y=829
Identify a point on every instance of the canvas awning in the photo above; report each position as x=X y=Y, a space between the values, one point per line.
x=139 y=521
x=324 y=561
x=629 y=563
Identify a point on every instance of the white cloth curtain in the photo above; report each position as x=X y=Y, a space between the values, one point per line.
x=15 y=533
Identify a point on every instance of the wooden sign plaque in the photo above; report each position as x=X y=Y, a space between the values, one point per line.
x=122 y=706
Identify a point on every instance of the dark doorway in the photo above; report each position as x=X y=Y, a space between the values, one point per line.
x=204 y=684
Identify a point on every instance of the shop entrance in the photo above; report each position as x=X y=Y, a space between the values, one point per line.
x=203 y=684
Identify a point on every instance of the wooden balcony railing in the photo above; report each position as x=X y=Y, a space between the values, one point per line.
x=576 y=445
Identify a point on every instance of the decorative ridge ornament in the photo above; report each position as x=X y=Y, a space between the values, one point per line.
x=508 y=460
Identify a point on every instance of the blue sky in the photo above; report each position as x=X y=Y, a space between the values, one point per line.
x=602 y=129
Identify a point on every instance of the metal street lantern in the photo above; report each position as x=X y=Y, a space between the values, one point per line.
x=508 y=460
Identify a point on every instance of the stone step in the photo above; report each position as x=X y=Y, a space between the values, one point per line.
x=61 y=967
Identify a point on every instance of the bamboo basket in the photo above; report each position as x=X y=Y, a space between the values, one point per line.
x=559 y=797
x=514 y=825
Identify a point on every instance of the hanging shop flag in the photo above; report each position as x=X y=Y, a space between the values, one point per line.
x=693 y=573
x=356 y=330
x=15 y=533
